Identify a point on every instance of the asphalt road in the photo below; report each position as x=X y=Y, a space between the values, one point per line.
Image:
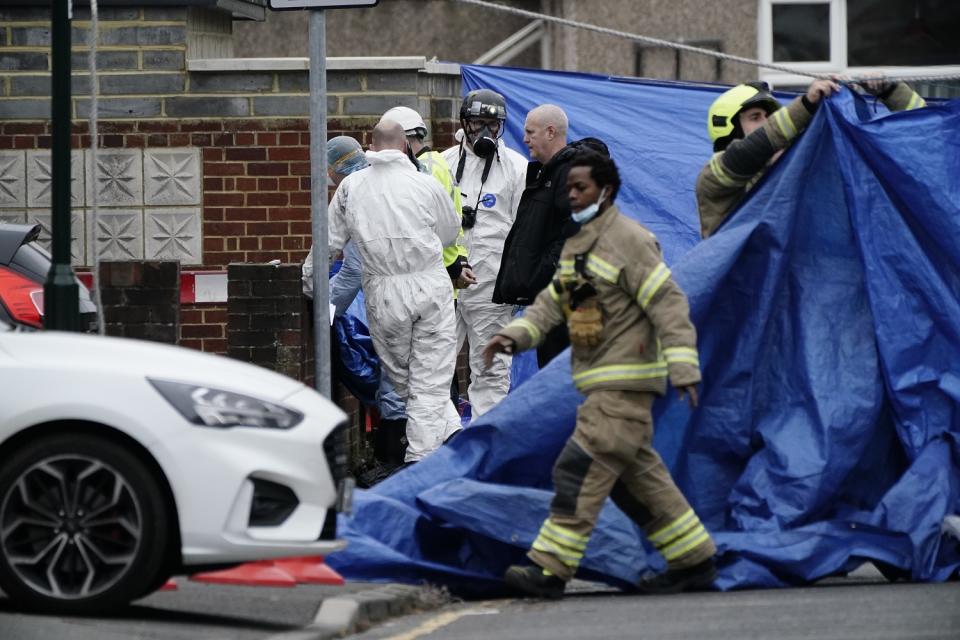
x=841 y=610
x=864 y=611
x=194 y=611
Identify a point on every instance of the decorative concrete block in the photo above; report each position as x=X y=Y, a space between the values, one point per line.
x=40 y=178
x=118 y=234
x=117 y=178
x=13 y=217
x=77 y=235
x=171 y=176
x=13 y=179
x=173 y=234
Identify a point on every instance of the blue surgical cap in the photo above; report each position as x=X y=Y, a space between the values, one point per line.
x=345 y=155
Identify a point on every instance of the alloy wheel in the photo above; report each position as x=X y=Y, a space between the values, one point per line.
x=70 y=526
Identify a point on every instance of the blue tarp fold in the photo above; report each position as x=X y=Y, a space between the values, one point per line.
x=829 y=427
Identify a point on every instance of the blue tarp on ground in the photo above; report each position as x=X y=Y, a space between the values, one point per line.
x=827 y=307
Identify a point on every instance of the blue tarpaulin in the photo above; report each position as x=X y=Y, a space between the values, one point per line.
x=829 y=427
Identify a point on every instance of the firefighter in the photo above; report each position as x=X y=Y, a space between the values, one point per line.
x=750 y=130
x=629 y=330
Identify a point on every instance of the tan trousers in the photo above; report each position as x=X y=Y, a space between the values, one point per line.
x=611 y=454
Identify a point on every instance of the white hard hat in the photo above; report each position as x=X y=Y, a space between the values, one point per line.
x=407 y=118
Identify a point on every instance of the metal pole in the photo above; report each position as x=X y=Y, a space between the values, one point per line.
x=60 y=291
x=318 y=199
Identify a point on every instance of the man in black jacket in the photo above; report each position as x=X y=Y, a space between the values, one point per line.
x=532 y=248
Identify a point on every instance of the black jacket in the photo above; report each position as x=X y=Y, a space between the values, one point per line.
x=543 y=223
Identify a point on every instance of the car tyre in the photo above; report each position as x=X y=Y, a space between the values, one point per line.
x=83 y=525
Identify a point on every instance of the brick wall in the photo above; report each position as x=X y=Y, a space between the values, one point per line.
x=204 y=327
x=270 y=324
x=229 y=139
x=141 y=300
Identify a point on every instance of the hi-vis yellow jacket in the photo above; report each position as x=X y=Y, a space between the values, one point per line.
x=725 y=181
x=647 y=334
x=434 y=164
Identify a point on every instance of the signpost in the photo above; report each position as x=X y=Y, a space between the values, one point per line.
x=318 y=175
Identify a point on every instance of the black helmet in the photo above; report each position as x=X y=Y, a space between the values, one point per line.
x=483 y=103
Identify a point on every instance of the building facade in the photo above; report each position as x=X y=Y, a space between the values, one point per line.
x=847 y=37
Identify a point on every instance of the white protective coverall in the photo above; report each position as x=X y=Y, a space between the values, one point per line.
x=399 y=220
x=478 y=318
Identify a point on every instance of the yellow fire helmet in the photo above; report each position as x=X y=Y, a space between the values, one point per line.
x=721 y=118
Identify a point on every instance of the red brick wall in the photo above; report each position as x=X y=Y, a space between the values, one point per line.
x=256 y=184
x=203 y=327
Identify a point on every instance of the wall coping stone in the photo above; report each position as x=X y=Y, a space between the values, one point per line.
x=358 y=63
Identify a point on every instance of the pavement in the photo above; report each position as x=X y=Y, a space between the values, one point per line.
x=358 y=605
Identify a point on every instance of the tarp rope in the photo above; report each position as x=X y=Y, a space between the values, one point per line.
x=576 y=24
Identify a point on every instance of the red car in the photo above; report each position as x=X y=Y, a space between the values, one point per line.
x=24 y=265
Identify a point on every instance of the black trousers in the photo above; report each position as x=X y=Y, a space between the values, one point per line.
x=556 y=341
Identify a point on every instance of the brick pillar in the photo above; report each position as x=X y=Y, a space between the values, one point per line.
x=265 y=316
x=141 y=299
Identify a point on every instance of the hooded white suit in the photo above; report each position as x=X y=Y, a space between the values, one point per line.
x=478 y=318
x=399 y=220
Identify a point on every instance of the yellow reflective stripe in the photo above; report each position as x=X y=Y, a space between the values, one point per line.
x=562 y=542
x=652 y=284
x=571 y=559
x=530 y=327
x=670 y=531
x=566 y=268
x=603 y=269
x=685 y=355
x=720 y=174
x=621 y=372
x=553 y=293
x=676 y=550
x=916 y=102
x=682 y=534
x=785 y=123
x=563 y=535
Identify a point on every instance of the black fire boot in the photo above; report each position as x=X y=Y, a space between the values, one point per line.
x=534 y=581
x=390 y=442
x=699 y=576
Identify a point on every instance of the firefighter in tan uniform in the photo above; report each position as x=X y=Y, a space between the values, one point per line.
x=750 y=129
x=630 y=330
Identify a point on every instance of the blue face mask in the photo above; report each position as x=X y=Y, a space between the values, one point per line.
x=589 y=212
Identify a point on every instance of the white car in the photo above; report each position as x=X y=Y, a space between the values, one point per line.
x=125 y=462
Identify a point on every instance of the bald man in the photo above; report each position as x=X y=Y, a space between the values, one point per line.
x=399 y=220
x=532 y=249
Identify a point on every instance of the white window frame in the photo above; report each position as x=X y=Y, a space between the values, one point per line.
x=838 y=50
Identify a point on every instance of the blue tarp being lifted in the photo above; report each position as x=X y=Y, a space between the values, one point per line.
x=827 y=307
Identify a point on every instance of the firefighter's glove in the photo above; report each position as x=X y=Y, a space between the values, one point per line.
x=586 y=325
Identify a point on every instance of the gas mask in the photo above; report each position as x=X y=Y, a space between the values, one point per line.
x=484 y=141
x=590 y=211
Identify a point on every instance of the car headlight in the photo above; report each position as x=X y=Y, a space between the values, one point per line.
x=211 y=407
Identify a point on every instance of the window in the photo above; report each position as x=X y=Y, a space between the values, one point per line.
x=918 y=33
x=801 y=32
x=853 y=36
